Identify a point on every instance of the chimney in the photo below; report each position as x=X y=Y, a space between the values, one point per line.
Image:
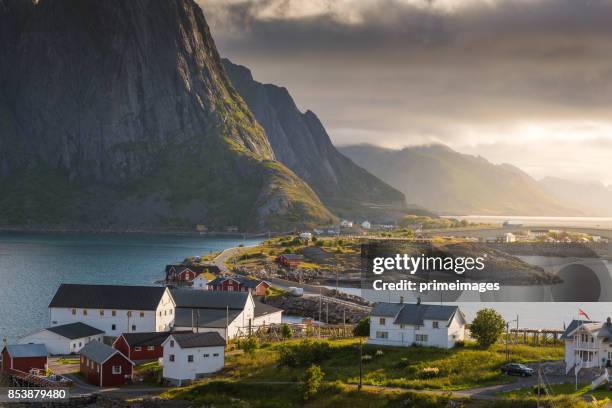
x=418 y=300
x=4 y=343
x=401 y=300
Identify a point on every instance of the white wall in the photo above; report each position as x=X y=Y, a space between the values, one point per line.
x=406 y=335
x=181 y=369
x=268 y=319
x=123 y=323
x=164 y=314
x=57 y=344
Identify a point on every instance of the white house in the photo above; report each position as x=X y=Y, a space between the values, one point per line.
x=403 y=324
x=227 y=313
x=307 y=236
x=588 y=344
x=346 y=224
x=366 y=225
x=113 y=309
x=200 y=282
x=64 y=339
x=266 y=315
x=508 y=237
x=188 y=356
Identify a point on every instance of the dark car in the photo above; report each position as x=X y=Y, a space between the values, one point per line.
x=517 y=369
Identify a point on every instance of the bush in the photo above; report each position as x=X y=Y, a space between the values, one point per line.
x=286 y=331
x=311 y=382
x=486 y=327
x=460 y=343
x=363 y=328
x=249 y=345
x=303 y=354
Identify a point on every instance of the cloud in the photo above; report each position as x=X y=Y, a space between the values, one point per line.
x=469 y=73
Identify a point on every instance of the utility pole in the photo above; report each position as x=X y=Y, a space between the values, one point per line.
x=360 y=364
x=320 y=306
x=507 y=351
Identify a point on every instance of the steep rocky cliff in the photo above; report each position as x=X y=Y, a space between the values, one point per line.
x=119 y=114
x=300 y=141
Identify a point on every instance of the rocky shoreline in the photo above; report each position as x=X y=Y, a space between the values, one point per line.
x=331 y=312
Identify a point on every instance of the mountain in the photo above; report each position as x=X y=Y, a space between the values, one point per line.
x=592 y=198
x=449 y=182
x=119 y=114
x=300 y=141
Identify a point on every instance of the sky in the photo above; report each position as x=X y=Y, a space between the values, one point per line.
x=527 y=82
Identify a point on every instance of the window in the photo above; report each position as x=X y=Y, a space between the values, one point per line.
x=420 y=337
x=101 y=312
x=141 y=314
x=190 y=358
x=382 y=321
x=165 y=311
x=206 y=355
x=137 y=348
x=117 y=369
x=171 y=357
x=80 y=344
x=73 y=345
x=97 y=368
x=171 y=343
x=73 y=311
x=114 y=313
x=84 y=312
x=150 y=348
x=133 y=327
x=435 y=325
x=402 y=326
x=160 y=313
x=216 y=355
x=82 y=358
x=382 y=335
x=113 y=327
x=170 y=312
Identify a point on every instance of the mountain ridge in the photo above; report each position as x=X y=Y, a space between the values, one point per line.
x=300 y=141
x=445 y=181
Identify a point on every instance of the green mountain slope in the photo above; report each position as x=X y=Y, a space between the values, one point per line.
x=119 y=115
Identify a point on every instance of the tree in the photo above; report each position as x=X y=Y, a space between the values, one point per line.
x=362 y=328
x=249 y=345
x=286 y=331
x=487 y=326
x=311 y=382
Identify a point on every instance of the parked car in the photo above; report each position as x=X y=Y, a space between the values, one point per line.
x=517 y=369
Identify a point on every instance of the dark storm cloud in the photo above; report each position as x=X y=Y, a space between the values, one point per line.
x=399 y=72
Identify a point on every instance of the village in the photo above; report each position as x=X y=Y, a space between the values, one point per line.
x=211 y=318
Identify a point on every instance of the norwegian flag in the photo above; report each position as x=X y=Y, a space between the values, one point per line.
x=583 y=313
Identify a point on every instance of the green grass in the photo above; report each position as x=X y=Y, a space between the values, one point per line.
x=68 y=361
x=459 y=368
x=584 y=390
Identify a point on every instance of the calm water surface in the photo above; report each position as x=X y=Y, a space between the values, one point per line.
x=32 y=266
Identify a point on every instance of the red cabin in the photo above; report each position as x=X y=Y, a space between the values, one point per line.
x=141 y=346
x=105 y=366
x=290 y=260
x=24 y=357
x=239 y=284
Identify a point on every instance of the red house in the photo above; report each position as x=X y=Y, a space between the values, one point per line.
x=290 y=260
x=24 y=357
x=141 y=346
x=239 y=284
x=105 y=366
x=183 y=274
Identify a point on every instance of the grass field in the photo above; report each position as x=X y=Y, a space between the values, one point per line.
x=584 y=390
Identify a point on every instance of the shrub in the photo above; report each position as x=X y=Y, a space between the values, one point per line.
x=249 y=345
x=460 y=343
x=311 y=382
x=362 y=328
x=486 y=327
x=303 y=354
x=286 y=331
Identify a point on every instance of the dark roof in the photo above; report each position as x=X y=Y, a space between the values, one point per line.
x=205 y=299
x=217 y=318
x=99 y=352
x=197 y=269
x=146 y=338
x=573 y=326
x=415 y=314
x=75 y=330
x=262 y=309
x=27 y=350
x=243 y=280
x=192 y=340
x=108 y=297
